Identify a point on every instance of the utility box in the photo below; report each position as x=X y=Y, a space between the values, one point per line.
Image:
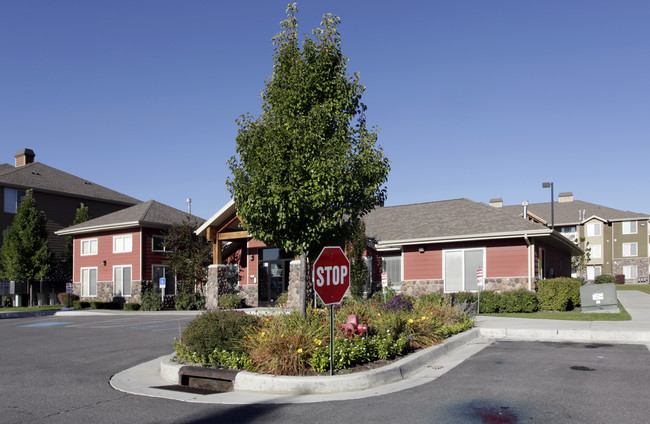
x=599 y=298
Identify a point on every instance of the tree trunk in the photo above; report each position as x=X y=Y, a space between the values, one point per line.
x=302 y=293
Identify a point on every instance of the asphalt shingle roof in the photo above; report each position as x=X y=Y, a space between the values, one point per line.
x=448 y=218
x=41 y=177
x=568 y=213
x=150 y=213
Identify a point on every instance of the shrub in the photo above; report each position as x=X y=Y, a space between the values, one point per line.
x=431 y=298
x=80 y=304
x=96 y=304
x=490 y=302
x=558 y=294
x=189 y=301
x=605 y=279
x=283 y=298
x=151 y=301
x=382 y=294
x=67 y=299
x=217 y=330
x=398 y=303
x=230 y=301
x=8 y=303
x=463 y=297
x=521 y=300
x=620 y=278
x=131 y=306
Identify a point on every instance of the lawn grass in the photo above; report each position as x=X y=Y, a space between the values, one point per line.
x=568 y=315
x=32 y=309
x=645 y=288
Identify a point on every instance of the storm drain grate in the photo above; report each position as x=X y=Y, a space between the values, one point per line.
x=186 y=389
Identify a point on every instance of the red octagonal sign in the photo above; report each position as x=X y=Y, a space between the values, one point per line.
x=331 y=275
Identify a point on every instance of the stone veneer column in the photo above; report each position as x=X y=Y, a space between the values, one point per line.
x=212 y=287
x=294 y=285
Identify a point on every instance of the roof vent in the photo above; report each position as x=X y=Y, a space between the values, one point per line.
x=24 y=156
x=565 y=197
x=496 y=203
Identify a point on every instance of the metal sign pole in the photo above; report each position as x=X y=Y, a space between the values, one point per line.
x=331 y=339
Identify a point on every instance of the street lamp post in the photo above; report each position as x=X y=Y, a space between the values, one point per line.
x=547 y=185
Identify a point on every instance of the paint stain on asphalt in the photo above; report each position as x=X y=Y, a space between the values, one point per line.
x=581 y=368
x=495 y=415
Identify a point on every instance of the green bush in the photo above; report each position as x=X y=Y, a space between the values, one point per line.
x=80 y=304
x=230 y=301
x=8 y=303
x=217 y=330
x=463 y=297
x=521 y=300
x=379 y=297
x=558 y=294
x=131 y=306
x=431 y=298
x=283 y=298
x=605 y=279
x=189 y=301
x=96 y=304
x=151 y=301
x=490 y=302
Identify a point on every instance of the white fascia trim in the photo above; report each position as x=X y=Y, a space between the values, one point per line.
x=643 y=218
x=396 y=244
x=215 y=217
x=95 y=228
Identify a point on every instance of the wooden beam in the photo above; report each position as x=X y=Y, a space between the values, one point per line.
x=211 y=233
x=216 y=252
x=224 y=226
x=232 y=235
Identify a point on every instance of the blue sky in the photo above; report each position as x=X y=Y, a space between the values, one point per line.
x=475 y=99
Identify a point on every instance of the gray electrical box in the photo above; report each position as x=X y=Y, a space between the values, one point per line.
x=599 y=298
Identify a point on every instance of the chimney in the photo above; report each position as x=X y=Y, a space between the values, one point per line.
x=525 y=205
x=565 y=197
x=496 y=203
x=24 y=156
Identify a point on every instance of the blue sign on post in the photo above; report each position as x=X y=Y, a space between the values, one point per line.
x=163 y=282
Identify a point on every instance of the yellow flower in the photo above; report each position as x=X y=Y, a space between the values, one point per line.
x=299 y=350
x=318 y=342
x=262 y=333
x=378 y=315
x=424 y=318
x=410 y=321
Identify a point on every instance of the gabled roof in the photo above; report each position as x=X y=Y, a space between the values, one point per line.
x=227 y=211
x=149 y=214
x=575 y=212
x=448 y=221
x=41 y=177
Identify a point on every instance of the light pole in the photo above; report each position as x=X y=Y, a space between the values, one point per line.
x=547 y=185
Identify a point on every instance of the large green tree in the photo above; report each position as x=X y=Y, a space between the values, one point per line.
x=307 y=169
x=25 y=256
x=188 y=255
x=82 y=214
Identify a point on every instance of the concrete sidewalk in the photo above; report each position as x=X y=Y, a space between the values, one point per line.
x=418 y=368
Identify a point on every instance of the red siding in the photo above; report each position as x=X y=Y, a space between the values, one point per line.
x=105 y=253
x=149 y=257
x=422 y=266
x=506 y=261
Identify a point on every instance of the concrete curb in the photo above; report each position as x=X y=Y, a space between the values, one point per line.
x=572 y=335
x=291 y=385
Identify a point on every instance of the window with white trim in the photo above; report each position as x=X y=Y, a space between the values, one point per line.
x=596 y=251
x=593 y=229
x=393 y=268
x=88 y=247
x=12 y=199
x=629 y=227
x=630 y=272
x=593 y=272
x=89 y=282
x=158 y=243
x=630 y=249
x=122 y=280
x=123 y=244
x=460 y=268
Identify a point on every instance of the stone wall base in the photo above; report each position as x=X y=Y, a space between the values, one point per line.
x=641 y=269
x=415 y=288
x=506 y=284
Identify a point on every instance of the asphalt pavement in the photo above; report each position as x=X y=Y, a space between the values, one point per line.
x=424 y=366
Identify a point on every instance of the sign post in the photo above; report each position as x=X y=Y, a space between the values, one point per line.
x=162 y=282
x=479 y=280
x=331 y=277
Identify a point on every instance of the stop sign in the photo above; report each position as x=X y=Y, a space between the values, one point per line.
x=331 y=275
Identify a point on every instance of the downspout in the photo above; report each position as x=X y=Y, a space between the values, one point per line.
x=528 y=251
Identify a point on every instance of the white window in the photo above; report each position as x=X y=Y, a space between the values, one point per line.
x=593 y=272
x=158 y=243
x=122 y=244
x=460 y=268
x=393 y=269
x=629 y=227
x=89 y=281
x=629 y=249
x=122 y=280
x=569 y=232
x=593 y=229
x=596 y=251
x=630 y=272
x=88 y=247
x=160 y=271
x=12 y=199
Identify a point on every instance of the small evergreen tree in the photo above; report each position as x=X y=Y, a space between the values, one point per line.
x=82 y=214
x=355 y=248
x=25 y=256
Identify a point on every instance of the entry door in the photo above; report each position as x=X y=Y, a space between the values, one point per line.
x=273 y=281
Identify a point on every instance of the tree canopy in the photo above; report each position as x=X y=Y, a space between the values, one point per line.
x=25 y=256
x=187 y=254
x=82 y=214
x=307 y=169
